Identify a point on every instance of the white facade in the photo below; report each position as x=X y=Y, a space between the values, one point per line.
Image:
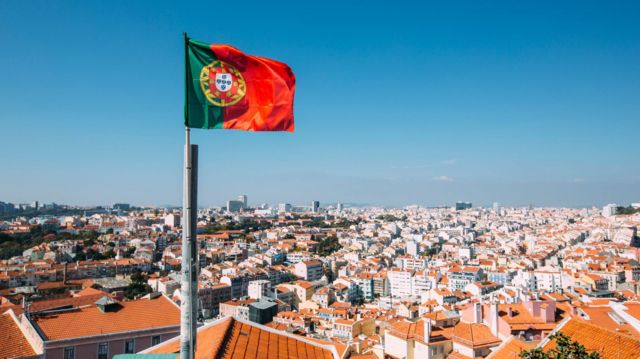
x=400 y=283
x=259 y=289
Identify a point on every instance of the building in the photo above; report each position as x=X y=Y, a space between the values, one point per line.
x=243 y=198
x=172 y=220
x=610 y=210
x=609 y=344
x=416 y=340
x=463 y=205
x=122 y=206
x=413 y=248
x=259 y=289
x=315 y=206
x=284 y=207
x=400 y=282
x=237 y=308
x=234 y=206
x=99 y=330
x=263 y=311
x=232 y=337
x=309 y=270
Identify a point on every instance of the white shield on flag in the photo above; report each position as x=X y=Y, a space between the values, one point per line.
x=223 y=81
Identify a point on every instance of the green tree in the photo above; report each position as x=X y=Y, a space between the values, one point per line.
x=328 y=245
x=138 y=286
x=565 y=349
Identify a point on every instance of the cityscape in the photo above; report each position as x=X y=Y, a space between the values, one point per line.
x=337 y=281
x=319 y=180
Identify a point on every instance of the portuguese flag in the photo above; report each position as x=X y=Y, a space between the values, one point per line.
x=227 y=89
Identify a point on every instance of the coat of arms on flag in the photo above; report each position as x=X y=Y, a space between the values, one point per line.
x=222 y=84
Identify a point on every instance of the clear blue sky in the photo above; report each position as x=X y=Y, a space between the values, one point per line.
x=397 y=102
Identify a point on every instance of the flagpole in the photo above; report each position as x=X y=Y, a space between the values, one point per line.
x=189 y=270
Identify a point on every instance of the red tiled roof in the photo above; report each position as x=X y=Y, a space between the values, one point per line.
x=608 y=343
x=232 y=338
x=90 y=320
x=13 y=343
x=474 y=335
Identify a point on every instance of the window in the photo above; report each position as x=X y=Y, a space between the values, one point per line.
x=155 y=340
x=70 y=353
x=130 y=346
x=103 y=351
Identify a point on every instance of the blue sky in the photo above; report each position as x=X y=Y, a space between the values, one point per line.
x=397 y=102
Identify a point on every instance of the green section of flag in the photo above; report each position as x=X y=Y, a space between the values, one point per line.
x=199 y=112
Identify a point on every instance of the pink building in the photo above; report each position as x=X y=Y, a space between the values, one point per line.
x=101 y=329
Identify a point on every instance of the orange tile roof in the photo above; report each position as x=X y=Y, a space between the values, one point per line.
x=474 y=335
x=89 y=320
x=49 y=304
x=233 y=338
x=13 y=343
x=608 y=343
x=633 y=308
x=601 y=316
x=511 y=349
x=415 y=330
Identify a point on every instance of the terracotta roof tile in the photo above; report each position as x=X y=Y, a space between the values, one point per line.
x=231 y=338
x=13 y=343
x=89 y=320
x=474 y=335
x=511 y=349
x=608 y=343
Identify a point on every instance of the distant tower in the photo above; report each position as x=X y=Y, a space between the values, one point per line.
x=243 y=198
x=315 y=206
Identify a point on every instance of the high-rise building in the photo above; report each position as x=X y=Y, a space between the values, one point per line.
x=121 y=206
x=315 y=206
x=243 y=198
x=284 y=207
x=463 y=205
x=339 y=206
x=234 y=206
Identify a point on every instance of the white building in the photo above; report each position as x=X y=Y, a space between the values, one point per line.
x=400 y=282
x=259 y=289
x=172 y=220
x=609 y=210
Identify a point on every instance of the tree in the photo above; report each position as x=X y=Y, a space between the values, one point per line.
x=565 y=349
x=328 y=245
x=138 y=286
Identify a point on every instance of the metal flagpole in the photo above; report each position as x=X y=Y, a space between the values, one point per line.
x=189 y=283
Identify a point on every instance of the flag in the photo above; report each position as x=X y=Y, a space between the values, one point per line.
x=227 y=89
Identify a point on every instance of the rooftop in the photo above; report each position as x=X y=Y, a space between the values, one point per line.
x=90 y=320
x=234 y=338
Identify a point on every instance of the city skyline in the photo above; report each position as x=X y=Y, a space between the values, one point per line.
x=514 y=103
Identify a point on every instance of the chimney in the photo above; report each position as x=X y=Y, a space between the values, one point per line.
x=477 y=312
x=510 y=312
x=427 y=330
x=494 y=318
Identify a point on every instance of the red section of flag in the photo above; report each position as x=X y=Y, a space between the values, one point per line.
x=270 y=86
